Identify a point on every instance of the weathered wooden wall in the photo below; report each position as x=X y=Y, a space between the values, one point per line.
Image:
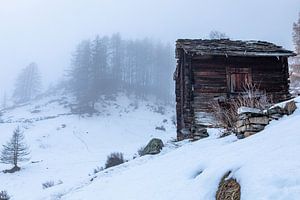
x=200 y=80
x=184 y=99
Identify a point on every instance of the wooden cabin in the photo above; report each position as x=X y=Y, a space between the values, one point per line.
x=210 y=70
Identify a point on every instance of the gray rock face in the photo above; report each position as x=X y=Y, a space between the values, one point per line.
x=153 y=147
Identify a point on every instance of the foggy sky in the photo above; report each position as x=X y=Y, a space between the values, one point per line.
x=47 y=31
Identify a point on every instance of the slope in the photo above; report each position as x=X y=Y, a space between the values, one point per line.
x=266 y=165
x=66 y=148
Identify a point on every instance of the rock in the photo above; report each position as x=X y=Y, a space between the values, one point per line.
x=153 y=147
x=241 y=123
x=248 y=133
x=290 y=107
x=195 y=138
x=185 y=131
x=251 y=128
x=248 y=115
x=276 y=110
x=160 y=128
x=240 y=136
x=264 y=120
x=275 y=116
x=243 y=110
x=244 y=116
x=259 y=120
x=200 y=133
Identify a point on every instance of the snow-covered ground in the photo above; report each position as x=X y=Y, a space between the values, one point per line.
x=267 y=165
x=67 y=148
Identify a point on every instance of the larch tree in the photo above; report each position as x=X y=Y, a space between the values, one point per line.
x=28 y=84
x=15 y=151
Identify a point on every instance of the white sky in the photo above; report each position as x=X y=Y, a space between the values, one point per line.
x=47 y=31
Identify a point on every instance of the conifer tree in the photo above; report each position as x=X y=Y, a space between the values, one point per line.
x=28 y=84
x=15 y=151
x=80 y=80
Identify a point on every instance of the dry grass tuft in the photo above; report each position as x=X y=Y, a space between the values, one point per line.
x=228 y=189
x=226 y=112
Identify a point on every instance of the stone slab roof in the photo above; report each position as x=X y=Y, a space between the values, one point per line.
x=229 y=47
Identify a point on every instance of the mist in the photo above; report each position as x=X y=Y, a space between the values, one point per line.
x=47 y=32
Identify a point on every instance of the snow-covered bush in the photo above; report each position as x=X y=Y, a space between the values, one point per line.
x=4 y=195
x=114 y=159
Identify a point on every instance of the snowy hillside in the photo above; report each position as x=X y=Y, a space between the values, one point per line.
x=266 y=165
x=65 y=148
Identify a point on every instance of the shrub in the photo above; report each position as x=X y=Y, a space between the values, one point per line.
x=98 y=169
x=4 y=195
x=141 y=151
x=114 y=159
x=48 y=184
x=228 y=188
x=226 y=112
x=160 y=128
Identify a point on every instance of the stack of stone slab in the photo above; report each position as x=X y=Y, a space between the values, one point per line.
x=252 y=120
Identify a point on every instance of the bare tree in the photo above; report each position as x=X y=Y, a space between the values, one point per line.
x=295 y=61
x=296 y=35
x=217 y=35
x=15 y=151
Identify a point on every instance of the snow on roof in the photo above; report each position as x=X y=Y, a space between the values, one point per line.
x=229 y=47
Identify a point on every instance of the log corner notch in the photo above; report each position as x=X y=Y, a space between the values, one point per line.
x=216 y=69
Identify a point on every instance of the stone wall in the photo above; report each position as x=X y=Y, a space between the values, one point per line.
x=252 y=120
